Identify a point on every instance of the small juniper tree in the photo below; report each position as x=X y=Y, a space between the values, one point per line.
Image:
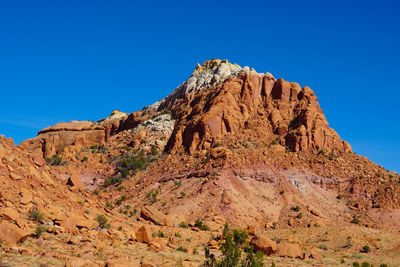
x=232 y=250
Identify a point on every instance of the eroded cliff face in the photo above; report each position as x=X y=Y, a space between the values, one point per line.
x=56 y=138
x=251 y=100
x=218 y=99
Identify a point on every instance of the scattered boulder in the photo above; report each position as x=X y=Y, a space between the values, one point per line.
x=9 y=214
x=263 y=243
x=118 y=263
x=75 y=181
x=152 y=214
x=291 y=250
x=146 y=264
x=316 y=254
x=80 y=263
x=143 y=235
x=12 y=234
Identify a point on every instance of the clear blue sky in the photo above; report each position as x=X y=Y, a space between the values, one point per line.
x=78 y=60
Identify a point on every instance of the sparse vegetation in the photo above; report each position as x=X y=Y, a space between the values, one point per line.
x=183 y=225
x=355 y=220
x=154 y=150
x=128 y=165
x=181 y=249
x=40 y=230
x=199 y=224
x=178 y=235
x=102 y=220
x=36 y=215
x=296 y=208
x=55 y=160
x=366 y=249
x=96 y=192
x=232 y=250
x=323 y=246
x=177 y=183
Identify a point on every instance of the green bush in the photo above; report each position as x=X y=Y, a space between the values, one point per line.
x=178 y=235
x=199 y=224
x=36 y=215
x=181 y=249
x=128 y=165
x=55 y=160
x=84 y=159
x=355 y=220
x=102 y=220
x=365 y=264
x=96 y=192
x=40 y=230
x=160 y=233
x=356 y=264
x=183 y=225
x=232 y=250
x=366 y=249
x=296 y=208
x=154 y=150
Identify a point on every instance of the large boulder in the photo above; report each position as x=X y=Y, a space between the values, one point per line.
x=143 y=235
x=152 y=214
x=12 y=234
x=291 y=250
x=74 y=180
x=263 y=243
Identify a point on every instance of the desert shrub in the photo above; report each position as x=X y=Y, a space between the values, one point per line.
x=339 y=197
x=296 y=208
x=199 y=224
x=181 y=249
x=120 y=188
x=84 y=159
x=183 y=225
x=365 y=264
x=323 y=246
x=383 y=265
x=128 y=165
x=183 y=194
x=154 y=150
x=96 y=192
x=366 y=249
x=178 y=235
x=356 y=264
x=39 y=230
x=160 y=233
x=299 y=216
x=178 y=183
x=232 y=248
x=55 y=160
x=321 y=152
x=36 y=215
x=102 y=220
x=119 y=228
x=355 y=220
